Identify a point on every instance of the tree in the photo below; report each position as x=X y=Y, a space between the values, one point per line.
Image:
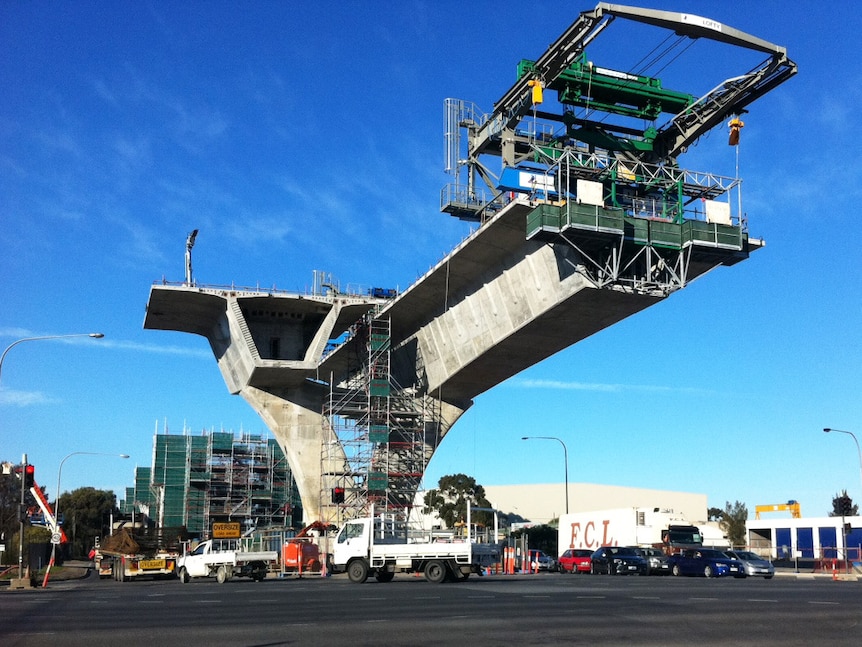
x=843 y=506
x=714 y=514
x=449 y=500
x=732 y=522
x=85 y=513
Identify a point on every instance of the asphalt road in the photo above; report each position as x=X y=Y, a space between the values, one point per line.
x=545 y=609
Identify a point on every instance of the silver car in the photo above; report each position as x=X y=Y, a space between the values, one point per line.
x=657 y=560
x=754 y=564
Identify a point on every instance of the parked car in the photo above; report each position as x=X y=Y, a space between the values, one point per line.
x=657 y=560
x=618 y=560
x=575 y=561
x=754 y=564
x=707 y=562
x=543 y=561
x=538 y=561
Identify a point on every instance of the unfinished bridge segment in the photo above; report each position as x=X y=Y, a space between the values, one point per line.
x=589 y=221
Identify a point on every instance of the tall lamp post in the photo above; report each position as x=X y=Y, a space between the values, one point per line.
x=853 y=436
x=565 y=458
x=57 y=502
x=94 y=335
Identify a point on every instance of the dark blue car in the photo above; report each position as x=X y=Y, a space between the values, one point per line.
x=707 y=562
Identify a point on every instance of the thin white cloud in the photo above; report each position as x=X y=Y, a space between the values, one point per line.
x=253 y=230
x=14 y=398
x=599 y=387
x=178 y=351
x=16 y=333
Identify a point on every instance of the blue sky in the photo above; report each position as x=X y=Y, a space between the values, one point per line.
x=303 y=136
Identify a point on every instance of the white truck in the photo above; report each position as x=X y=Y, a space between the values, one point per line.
x=223 y=560
x=659 y=528
x=385 y=551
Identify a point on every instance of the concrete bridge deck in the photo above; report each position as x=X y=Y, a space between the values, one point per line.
x=497 y=304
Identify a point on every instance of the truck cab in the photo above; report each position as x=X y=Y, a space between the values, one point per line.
x=194 y=561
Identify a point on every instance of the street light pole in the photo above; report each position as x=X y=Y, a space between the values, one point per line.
x=94 y=335
x=21 y=520
x=565 y=458
x=57 y=503
x=855 y=440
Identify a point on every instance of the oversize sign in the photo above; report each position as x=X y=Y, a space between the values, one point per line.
x=227 y=530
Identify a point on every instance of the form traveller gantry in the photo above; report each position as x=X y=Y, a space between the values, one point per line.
x=602 y=173
x=590 y=219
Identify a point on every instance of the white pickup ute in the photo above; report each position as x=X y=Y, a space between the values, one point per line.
x=385 y=551
x=224 y=560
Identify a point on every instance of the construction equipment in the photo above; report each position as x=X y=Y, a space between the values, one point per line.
x=300 y=554
x=609 y=113
x=791 y=506
x=134 y=552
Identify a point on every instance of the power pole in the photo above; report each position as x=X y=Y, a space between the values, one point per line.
x=21 y=522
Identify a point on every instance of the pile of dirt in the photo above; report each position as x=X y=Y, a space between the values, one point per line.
x=121 y=542
x=133 y=541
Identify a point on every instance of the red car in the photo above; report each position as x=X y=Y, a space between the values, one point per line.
x=575 y=561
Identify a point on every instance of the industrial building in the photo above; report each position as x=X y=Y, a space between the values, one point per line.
x=195 y=480
x=541 y=503
x=807 y=537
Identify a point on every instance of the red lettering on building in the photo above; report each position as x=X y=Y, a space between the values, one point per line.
x=588 y=543
x=586 y=536
x=576 y=527
x=607 y=541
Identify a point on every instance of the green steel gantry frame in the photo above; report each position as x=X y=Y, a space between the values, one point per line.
x=601 y=182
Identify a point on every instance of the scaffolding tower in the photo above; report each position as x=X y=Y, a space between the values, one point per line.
x=381 y=427
x=196 y=480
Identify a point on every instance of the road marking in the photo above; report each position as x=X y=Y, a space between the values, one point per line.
x=821 y=602
x=759 y=600
x=703 y=599
x=645 y=597
x=591 y=597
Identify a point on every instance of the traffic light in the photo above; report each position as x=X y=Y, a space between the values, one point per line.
x=338 y=495
x=29 y=476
